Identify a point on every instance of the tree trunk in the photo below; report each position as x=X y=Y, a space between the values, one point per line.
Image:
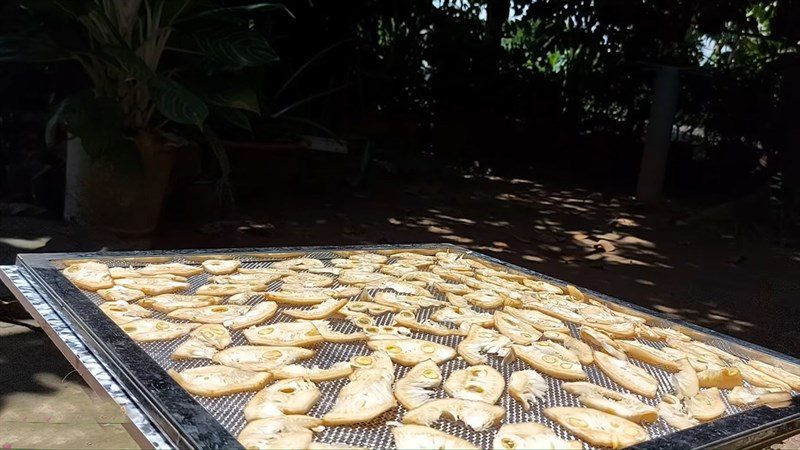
x=659 y=133
x=496 y=17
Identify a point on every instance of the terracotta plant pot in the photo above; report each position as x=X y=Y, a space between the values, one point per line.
x=123 y=200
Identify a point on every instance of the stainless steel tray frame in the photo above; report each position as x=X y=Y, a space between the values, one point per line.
x=190 y=425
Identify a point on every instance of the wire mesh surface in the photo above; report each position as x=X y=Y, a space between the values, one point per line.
x=228 y=410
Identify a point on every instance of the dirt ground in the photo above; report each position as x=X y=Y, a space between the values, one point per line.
x=732 y=278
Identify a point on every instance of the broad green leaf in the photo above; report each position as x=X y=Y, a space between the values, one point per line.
x=177 y=103
x=234 y=117
x=222 y=13
x=234 y=97
x=235 y=48
x=128 y=61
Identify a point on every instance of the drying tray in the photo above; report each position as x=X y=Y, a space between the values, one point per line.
x=191 y=421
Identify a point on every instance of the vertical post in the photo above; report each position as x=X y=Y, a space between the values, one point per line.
x=659 y=133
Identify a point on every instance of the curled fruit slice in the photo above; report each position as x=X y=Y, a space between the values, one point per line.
x=120 y=312
x=153 y=285
x=631 y=377
x=531 y=435
x=290 y=396
x=515 y=329
x=686 y=381
x=367 y=395
x=319 y=311
x=213 y=335
x=414 y=389
x=414 y=256
x=215 y=381
x=551 y=359
x=407 y=319
x=180 y=269
x=459 y=315
x=542 y=286
x=426 y=438
x=120 y=293
x=482 y=383
x=760 y=379
x=581 y=350
x=650 y=355
x=698 y=363
x=706 y=405
x=193 y=349
x=485 y=299
x=297 y=264
x=298 y=334
x=673 y=412
x=598 y=428
x=221 y=266
x=254 y=316
x=405 y=302
x=557 y=310
x=645 y=332
x=618 y=330
x=776 y=372
x=301 y=297
x=224 y=290
x=308 y=280
x=314 y=373
x=356 y=308
x=538 y=320
x=167 y=303
x=480 y=341
x=148 y=330
x=410 y=352
x=260 y=358
x=324 y=328
x=452 y=288
x=209 y=314
x=477 y=415
x=279 y=432
x=754 y=396
x=669 y=333
x=720 y=377
x=399 y=269
x=401 y=287
x=626 y=406
x=527 y=387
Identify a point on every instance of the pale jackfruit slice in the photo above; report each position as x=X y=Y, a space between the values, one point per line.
x=459 y=315
x=755 y=396
x=686 y=381
x=580 y=349
x=324 y=328
x=485 y=299
x=706 y=405
x=759 y=378
x=213 y=335
x=407 y=319
x=152 y=285
x=597 y=427
x=308 y=280
x=120 y=293
x=266 y=271
x=401 y=287
x=531 y=435
x=669 y=333
x=253 y=279
x=721 y=377
x=360 y=278
x=209 y=314
x=603 y=342
x=542 y=286
x=698 y=363
x=221 y=266
x=430 y=259
x=405 y=302
x=538 y=320
x=398 y=269
x=240 y=298
x=367 y=395
x=672 y=410
x=626 y=406
x=216 y=381
x=314 y=373
x=480 y=341
x=258 y=358
x=515 y=329
x=124 y=272
x=645 y=332
x=299 y=297
x=224 y=290
x=426 y=277
x=557 y=310
x=551 y=359
x=410 y=352
x=180 y=269
x=452 y=288
x=334 y=446
x=631 y=377
x=617 y=330
x=723 y=355
x=167 y=303
x=374 y=332
x=482 y=383
x=702 y=352
x=776 y=372
x=296 y=334
x=369 y=258
x=414 y=389
x=255 y=315
x=426 y=438
x=650 y=355
x=357 y=308
x=489 y=272
x=290 y=396
x=148 y=330
x=297 y=264
x=527 y=387
x=121 y=312
x=354 y=266
x=477 y=415
x=193 y=349
x=279 y=433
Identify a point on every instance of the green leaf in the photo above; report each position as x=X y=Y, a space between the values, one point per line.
x=222 y=13
x=234 y=97
x=128 y=61
x=236 y=49
x=177 y=103
x=234 y=117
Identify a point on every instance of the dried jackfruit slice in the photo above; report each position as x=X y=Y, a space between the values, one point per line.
x=617 y=330
x=124 y=272
x=551 y=359
x=631 y=377
x=686 y=381
x=426 y=277
x=723 y=355
x=670 y=333
x=254 y=316
x=308 y=280
x=367 y=395
x=297 y=264
x=324 y=328
x=485 y=299
x=542 y=286
x=213 y=335
x=720 y=377
x=460 y=315
x=374 y=332
x=427 y=438
x=515 y=329
x=221 y=266
x=603 y=342
x=296 y=334
x=120 y=293
x=279 y=433
x=193 y=349
x=216 y=381
x=527 y=387
x=414 y=389
x=357 y=277
x=254 y=279
x=698 y=363
x=706 y=405
x=121 y=312
x=755 y=396
x=557 y=310
x=301 y=297
x=538 y=320
x=334 y=446
x=626 y=406
x=152 y=285
x=357 y=308
x=410 y=352
x=597 y=427
x=760 y=379
x=482 y=383
x=672 y=410
x=405 y=302
x=398 y=269
x=531 y=435
x=209 y=314
x=401 y=287
x=148 y=330
x=415 y=256
x=224 y=290
x=180 y=269
x=650 y=355
x=314 y=373
x=480 y=341
x=408 y=319
x=645 y=332
x=452 y=288
x=477 y=415
x=290 y=396
x=258 y=358
x=167 y=303
x=580 y=349
x=319 y=311
x=776 y=372
x=369 y=258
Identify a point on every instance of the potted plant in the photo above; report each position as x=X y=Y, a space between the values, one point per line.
x=159 y=72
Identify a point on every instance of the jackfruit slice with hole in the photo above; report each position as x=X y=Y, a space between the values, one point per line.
x=597 y=427
x=477 y=415
x=531 y=435
x=426 y=438
x=482 y=383
x=620 y=404
x=415 y=389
